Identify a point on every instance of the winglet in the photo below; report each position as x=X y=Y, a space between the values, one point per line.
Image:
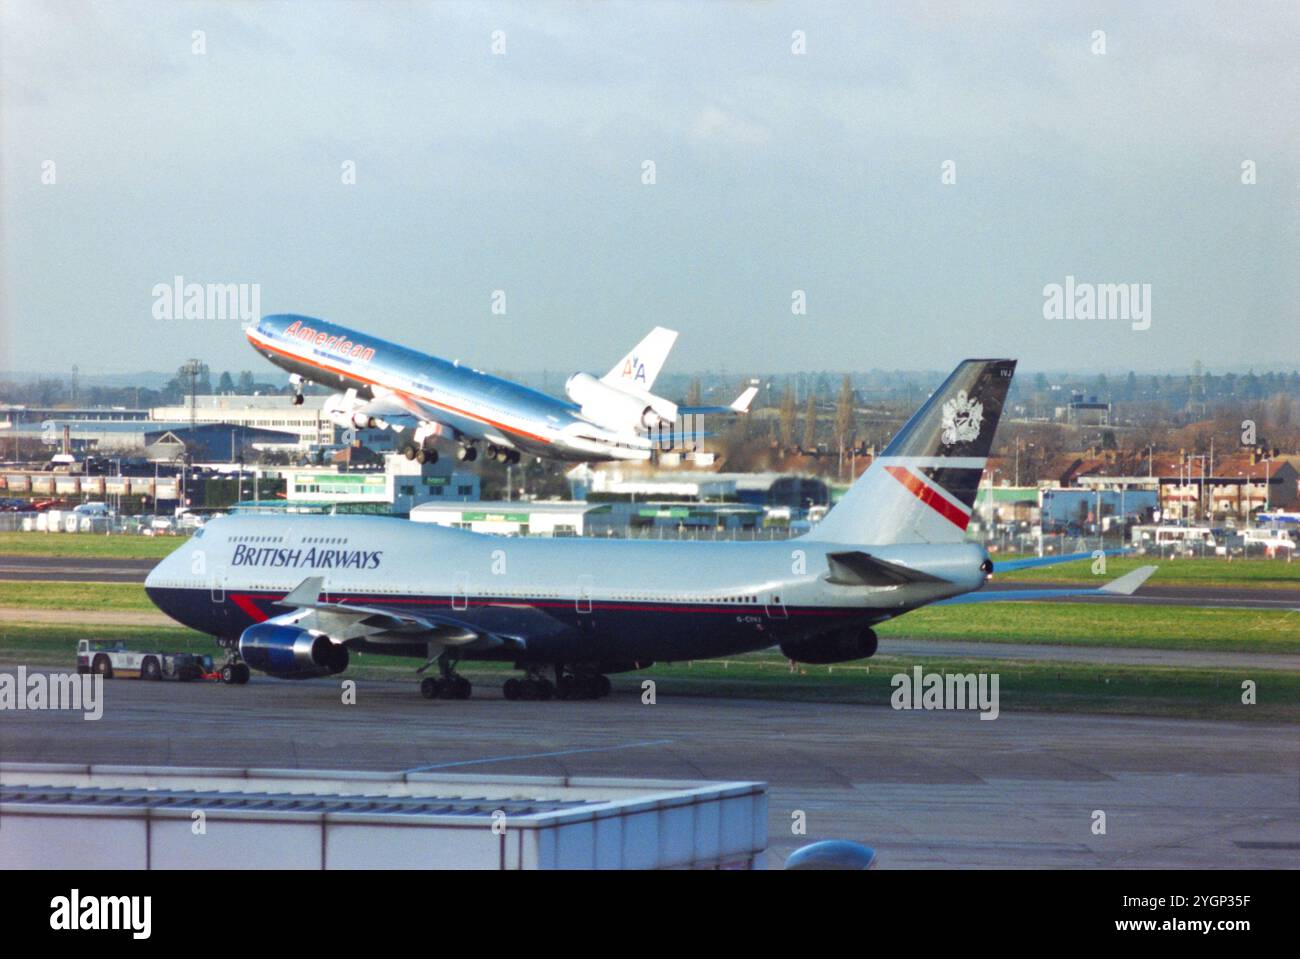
x=306 y=593
x=1128 y=584
x=741 y=403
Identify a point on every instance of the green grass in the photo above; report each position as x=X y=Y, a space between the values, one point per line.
x=74 y=596
x=88 y=545
x=1045 y=687
x=1240 y=573
x=1057 y=624
x=1094 y=624
x=1036 y=686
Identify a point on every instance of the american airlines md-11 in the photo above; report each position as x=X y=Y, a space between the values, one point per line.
x=293 y=595
x=424 y=398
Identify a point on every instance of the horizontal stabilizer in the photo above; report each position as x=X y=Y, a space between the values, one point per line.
x=855 y=568
x=1125 y=585
x=739 y=405
x=1128 y=584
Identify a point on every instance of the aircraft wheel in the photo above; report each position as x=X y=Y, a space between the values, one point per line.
x=241 y=673
x=461 y=688
x=430 y=456
x=513 y=689
x=421 y=456
x=408 y=452
x=544 y=689
x=604 y=685
x=429 y=688
x=467 y=454
x=297 y=399
x=228 y=673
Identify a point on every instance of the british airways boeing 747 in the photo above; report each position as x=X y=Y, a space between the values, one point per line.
x=294 y=595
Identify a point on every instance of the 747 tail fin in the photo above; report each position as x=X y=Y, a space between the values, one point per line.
x=921 y=489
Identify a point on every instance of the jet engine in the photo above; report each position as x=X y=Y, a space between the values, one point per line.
x=290 y=652
x=618 y=409
x=837 y=647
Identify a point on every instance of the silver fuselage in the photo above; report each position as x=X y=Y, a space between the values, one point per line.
x=564 y=600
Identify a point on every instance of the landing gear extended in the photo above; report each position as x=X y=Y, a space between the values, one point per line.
x=501 y=454
x=421 y=454
x=234 y=671
x=447 y=685
x=569 y=684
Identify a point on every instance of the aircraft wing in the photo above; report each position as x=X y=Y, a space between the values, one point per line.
x=739 y=405
x=346 y=621
x=1125 y=585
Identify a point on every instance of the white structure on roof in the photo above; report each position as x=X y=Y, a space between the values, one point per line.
x=546 y=518
x=138 y=817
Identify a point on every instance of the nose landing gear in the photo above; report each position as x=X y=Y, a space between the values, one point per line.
x=234 y=671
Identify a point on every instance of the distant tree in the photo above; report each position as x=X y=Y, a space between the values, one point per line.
x=695 y=393
x=225 y=384
x=844 y=413
x=809 y=441
x=788 y=415
x=246 y=383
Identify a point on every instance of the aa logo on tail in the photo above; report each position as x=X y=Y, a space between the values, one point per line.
x=634 y=369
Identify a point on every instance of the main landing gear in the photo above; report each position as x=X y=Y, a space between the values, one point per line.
x=447 y=685
x=502 y=455
x=569 y=684
x=296 y=380
x=421 y=454
x=467 y=453
x=234 y=671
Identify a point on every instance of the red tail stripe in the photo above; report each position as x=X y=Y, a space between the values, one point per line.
x=929 y=497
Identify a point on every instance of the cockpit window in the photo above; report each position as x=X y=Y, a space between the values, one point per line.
x=198 y=533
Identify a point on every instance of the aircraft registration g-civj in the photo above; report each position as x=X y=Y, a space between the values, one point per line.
x=424 y=398
x=292 y=595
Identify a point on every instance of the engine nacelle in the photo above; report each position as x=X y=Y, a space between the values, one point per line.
x=290 y=652
x=615 y=408
x=832 y=647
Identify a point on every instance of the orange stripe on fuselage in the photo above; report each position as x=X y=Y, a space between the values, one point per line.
x=353 y=375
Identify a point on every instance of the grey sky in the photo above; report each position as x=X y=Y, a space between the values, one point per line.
x=775 y=172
